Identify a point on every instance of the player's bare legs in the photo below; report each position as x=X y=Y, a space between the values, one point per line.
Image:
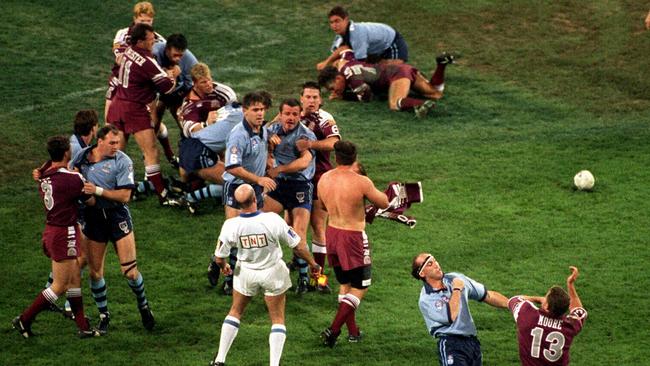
x=318 y=221
x=146 y=140
x=107 y=105
x=213 y=174
x=398 y=89
x=300 y=221
x=278 y=335
x=95 y=256
x=126 y=253
x=398 y=99
x=271 y=205
x=424 y=87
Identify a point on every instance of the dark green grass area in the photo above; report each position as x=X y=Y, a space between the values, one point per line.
x=542 y=91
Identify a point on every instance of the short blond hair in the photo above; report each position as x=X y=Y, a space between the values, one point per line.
x=143 y=7
x=200 y=70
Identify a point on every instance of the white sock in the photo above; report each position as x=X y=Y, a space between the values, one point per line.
x=276 y=342
x=229 y=330
x=340 y=298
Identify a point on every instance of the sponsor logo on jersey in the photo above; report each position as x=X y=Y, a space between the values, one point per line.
x=292 y=233
x=438 y=304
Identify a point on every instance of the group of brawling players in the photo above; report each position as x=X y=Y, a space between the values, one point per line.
x=259 y=169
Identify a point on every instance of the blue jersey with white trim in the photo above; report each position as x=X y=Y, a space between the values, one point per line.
x=109 y=173
x=216 y=135
x=247 y=149
x=286 y=152
x=366 y=39
x=434 y=305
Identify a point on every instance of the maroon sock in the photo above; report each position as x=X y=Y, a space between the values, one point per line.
x=40 y=303
x=320 y=259
x=351 y=323
x=77 y=305
x=167 y=147
x=341 y=317
x=154 y=175
x=196 y=184
x=406 y=104
x=438 y=75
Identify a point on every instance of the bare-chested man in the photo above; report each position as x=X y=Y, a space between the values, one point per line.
x=348 y=249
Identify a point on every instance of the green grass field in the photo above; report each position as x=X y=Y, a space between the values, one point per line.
x=544 y=89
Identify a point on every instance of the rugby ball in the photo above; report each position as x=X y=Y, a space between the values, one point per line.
x=584 y=180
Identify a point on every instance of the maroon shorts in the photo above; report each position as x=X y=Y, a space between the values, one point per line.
x=347 y=249
x=129 y=117
x=401 y=71
x=61 y=242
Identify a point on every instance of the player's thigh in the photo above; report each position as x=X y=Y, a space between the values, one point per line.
x=239 y=303
x=272 y=205
x=276 y=305
x=64 y=273
x=213 y=174
x=146 y=139
x=125 y=248
x=422 y=86
x=398 y=89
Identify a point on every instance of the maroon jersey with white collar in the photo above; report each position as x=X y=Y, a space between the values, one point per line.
x=60 y=190
x=544 y=339
x=319 y=123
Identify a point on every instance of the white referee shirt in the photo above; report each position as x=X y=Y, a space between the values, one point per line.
x=257 y=236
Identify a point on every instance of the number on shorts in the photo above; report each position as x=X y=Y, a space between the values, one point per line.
x=554 y=351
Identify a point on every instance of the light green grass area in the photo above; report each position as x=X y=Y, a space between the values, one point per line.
x=543 y=90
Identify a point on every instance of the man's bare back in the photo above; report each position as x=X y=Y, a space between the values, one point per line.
x=342 y=192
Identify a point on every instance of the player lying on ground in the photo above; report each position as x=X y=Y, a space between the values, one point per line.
x=365 y=80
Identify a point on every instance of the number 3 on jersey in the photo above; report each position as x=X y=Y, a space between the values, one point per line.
x=554 y=351
x=48 y=199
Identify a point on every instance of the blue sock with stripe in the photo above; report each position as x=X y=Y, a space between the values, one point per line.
x=137 y=286
x=99 y=292
x=276 y=342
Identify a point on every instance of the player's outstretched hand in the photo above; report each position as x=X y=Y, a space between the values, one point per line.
x=573 y=276
x=267 y=183
x=36 y=174
x=321 y=65
x=647 y=21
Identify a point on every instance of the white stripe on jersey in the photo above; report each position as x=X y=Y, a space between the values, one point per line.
x=224 y=92
x=120 y=36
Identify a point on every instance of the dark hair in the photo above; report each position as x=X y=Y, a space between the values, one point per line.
x=257 y=97
x=101 y=134
x=291 y=102
x=139 y=32
x=345 y=152
x=84 y=121
x=178 y=41
x=415 y=269
x=338 y=10
x=309 y=85
x=57 y=147
x=558 y=301
x=327 y=75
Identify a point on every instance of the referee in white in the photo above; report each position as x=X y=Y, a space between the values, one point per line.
x=257 y=236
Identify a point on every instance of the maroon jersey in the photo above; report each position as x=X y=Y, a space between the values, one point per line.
x=364 y=79
x=319 y=123
x=197 y=110
x=543 y=339
x=140 y=77
x=60 y=190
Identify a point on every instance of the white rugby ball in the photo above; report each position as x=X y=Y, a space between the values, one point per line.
x=584 y=180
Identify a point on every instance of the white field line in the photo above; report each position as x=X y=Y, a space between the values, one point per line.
x=55 y=101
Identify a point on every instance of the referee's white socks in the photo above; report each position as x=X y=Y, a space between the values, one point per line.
x=229 y=330
x=276 y=342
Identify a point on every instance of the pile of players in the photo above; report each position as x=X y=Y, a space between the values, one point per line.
x=228 y=150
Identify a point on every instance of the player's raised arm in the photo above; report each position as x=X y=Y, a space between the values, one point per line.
x=496 y=299
x=571 y=289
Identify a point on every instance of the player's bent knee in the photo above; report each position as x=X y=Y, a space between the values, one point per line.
x=130 y=269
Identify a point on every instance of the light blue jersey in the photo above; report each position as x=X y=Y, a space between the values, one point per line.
x=215 y=136
x=76 y=144
x=247 y=149
x=286 y=151
x=184 y=79
x=109 y=173
x=434 y=305
x=367 y=39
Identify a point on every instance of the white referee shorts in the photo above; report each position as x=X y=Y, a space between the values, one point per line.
x=272 y=281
